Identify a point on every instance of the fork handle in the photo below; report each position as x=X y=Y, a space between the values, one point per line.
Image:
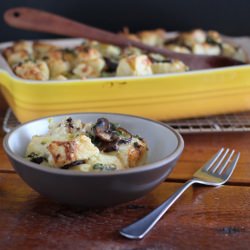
x=140 y=228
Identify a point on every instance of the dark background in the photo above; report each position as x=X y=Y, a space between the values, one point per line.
x=228 y=17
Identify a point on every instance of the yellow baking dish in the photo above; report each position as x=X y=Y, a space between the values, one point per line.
x=160 y=97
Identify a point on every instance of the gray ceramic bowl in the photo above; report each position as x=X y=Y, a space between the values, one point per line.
x=97 y=189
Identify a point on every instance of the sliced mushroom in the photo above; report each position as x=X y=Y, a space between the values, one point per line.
x=102 y=130
x=72 y=164
x=110 y=136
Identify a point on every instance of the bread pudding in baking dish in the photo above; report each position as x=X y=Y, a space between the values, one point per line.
x=91 y=59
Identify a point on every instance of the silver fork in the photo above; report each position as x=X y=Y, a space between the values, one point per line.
x=215 y=172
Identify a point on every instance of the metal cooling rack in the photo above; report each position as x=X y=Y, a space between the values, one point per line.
x=9 y=121
x=238 y=122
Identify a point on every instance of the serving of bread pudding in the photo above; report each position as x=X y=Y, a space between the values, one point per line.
x=99 y=146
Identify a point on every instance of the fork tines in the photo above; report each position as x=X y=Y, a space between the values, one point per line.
x=220 y=162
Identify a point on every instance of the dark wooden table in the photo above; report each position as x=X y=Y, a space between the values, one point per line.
x=203 y=218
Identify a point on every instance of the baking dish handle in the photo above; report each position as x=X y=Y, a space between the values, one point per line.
x=4 y=72
x=4 y=78
x=1 y=76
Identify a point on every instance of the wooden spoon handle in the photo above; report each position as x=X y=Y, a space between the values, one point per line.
x=37 y=20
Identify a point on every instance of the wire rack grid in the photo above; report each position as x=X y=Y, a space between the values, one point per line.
x=236 y=122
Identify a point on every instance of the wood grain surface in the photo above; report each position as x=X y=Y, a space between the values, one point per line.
x=203 y=218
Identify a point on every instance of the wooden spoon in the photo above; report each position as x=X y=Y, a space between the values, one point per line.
x=36 y=20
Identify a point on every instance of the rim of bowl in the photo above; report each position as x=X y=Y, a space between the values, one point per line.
x=146 y=167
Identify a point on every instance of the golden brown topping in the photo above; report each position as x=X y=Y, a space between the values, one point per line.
x=213 y=37
x=23 y=45
x=153 y=37
x=136 y=153
x=134 y=66
x=169 y=67
x=193 y=37
x=63 y=152
x=14 y=58
x=41 y=49
x=32 y=71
